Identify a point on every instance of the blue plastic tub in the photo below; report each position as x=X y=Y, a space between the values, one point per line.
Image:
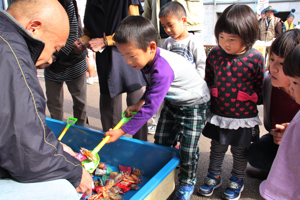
x=156 y=161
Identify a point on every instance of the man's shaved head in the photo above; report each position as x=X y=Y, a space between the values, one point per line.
x=46 y=20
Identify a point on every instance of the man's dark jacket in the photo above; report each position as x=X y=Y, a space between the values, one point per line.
x=29 y=151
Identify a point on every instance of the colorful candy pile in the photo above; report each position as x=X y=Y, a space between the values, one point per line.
x=110 y=184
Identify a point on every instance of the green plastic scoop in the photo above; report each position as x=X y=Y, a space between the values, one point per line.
x=91 y=165
x=71 y=121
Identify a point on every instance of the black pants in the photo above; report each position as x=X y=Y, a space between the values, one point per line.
x=261 y=154
x=217 y=153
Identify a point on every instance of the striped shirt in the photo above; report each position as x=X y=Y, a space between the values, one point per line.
x=69 y=73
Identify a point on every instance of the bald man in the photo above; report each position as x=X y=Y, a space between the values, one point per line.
x=33 y=163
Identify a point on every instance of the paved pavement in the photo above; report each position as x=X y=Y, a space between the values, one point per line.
x=251 y=190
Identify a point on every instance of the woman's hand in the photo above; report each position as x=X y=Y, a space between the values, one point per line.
x=278 y=132
x=79 y=45
x=96 y=44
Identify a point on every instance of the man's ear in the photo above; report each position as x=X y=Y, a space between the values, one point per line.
x=152 y=46
x=34 y=27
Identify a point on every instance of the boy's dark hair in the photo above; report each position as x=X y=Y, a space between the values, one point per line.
x=239 y=20
x=285 y=43
x=136 y=29
x=172 y=8
x=291 y=64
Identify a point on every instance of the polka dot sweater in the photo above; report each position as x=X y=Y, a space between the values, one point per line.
x=235 y=82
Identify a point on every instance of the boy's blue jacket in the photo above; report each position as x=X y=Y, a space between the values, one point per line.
x=29 y=151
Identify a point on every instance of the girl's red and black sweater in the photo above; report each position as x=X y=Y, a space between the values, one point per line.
x=235 y=82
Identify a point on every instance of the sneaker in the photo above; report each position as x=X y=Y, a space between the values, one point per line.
x=184 y=192
x=90 y=81
x=211 y=182
x=96 y=79
x=152 y=129
x=234 y=188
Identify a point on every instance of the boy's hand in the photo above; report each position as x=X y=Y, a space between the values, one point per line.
x=278 y=132
x=134 y=108
x=114 y=134
x=130 y=109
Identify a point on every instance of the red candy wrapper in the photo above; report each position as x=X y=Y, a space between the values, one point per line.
x=80 y=157
x=124 y=169
x=124 y=186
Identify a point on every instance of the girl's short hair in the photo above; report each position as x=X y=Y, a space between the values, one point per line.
x=136 y=29
x=240 y=20
x=285 y=43
x=291 y=64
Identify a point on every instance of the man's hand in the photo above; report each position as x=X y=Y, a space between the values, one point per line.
x=86 y=183
x=79 y=45
x=67 y=149
x=278 y=132
x=96 y=44
x=114 y=134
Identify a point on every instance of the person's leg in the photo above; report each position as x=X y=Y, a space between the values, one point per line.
x=56 y=189
x=77 y=89
x=110 y=111
x=217 y=153
x=166 y=131
x=261 y=154
x=91 y=66
x=191 y=120
x=152 y=127
x=236 y=182
x=239 y=161
x=55 y=99
x=213 y=180
x=133 y=98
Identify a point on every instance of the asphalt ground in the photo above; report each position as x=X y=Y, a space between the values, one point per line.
x=251 y=189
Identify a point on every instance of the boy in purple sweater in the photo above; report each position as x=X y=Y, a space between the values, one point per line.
x=172 y=79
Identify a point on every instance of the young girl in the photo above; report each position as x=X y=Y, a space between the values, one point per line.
x=279 y=106
x=234 y=73
x=283 y=179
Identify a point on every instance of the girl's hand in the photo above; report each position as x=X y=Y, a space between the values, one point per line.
x=114 y=135
x=278 y=132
